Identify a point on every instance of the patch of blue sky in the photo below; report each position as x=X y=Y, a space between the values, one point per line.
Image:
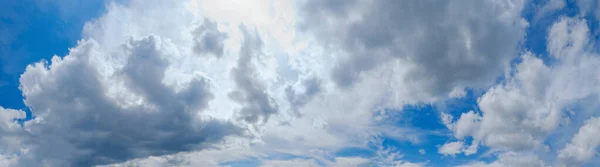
x=457 y=106
x=355 y=152
x=425 y=119
x=249 y=162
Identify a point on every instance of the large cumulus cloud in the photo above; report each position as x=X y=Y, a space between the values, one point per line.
x=107 y=101
x=81 y=122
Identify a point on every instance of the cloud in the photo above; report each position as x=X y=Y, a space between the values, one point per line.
x=291 y=163
x=583 y=145
x=437 y=39
x=589 y=7
x=7 y=117
x=534 y=103
x=78 y=113
x=112 y=99
x=549 y=7
x=451 y=148
x=511 y=159
x=300 y=94
x=208 y=39
x=257 y=104
x=11 y=135
x=208 y=157
x=140 y=90
x=135 y=91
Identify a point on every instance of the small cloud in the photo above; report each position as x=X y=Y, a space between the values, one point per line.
x=208 y=39
x=422 y=151
x=451 y=148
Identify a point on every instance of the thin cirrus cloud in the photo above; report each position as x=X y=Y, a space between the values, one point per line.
x=313 y=83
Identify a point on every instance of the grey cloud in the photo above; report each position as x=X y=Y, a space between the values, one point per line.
x=82 y=126
x=208 y=39
x=298 y=97
x=251 y=93
x=452 y=43
x=339 y=8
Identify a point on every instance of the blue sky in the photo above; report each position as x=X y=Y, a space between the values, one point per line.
x=137 y=65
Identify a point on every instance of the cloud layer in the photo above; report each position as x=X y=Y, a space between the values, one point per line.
x=298 y=82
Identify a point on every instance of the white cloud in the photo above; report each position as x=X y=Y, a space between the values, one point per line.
x=519 y=115
x=510 y=159
x=337 y=162
x=466 y=125
x=11 y=136
x=209 y=158
x=7 y=117
x=8 y=160
x=451 y=148
x=549 y=7
x=589 y=7
x=291 y=163
x=349 y=161
x=583 y=146
x=390 y=156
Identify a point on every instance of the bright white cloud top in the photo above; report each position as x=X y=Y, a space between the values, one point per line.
x=204 y=82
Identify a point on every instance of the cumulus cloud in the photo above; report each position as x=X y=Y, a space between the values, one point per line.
x=109 y=100
x=583 y=145
x=534 y=103
x=451 y=148
x=450 y=45
x=100 y=127
x=7 y=116
x=11 y=134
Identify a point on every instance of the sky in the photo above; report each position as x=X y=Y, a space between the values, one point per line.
x=412 y=83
